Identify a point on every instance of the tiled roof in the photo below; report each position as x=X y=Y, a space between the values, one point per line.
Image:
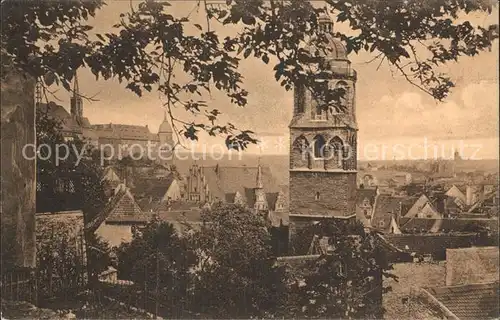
x=417 y=206
x=224 y=182
x=483 y=199
x=385 y=207
x=454 y=191
x=406 y=204
x=101 y=217
x=472 y=265
x=181 y=219
x=473 y=301
x=122 y=203
x=124 y=132
x=445 y=224
x=150 y=191
x=58 y=112
x=434 y=244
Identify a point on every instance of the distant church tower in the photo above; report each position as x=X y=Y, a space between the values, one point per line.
x=260 y=195
x=76 y=100
x=323 y=159
x=165 y=132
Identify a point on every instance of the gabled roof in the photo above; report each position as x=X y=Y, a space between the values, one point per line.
x=112 y=174
x=112 y=202
x=68 y=122
x=482 y=199
x=224 y=182
x=150 y=191
x=385 y=207
x=428 y=211
x=472 y=301
x=181 y=219
x=422 y=201
x=122 y=203
x=407 y=203
x=455 y=192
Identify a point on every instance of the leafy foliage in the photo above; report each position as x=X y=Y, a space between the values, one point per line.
x=227 y=269
x=69 y=177
x=346 y=282
x=68 y=171
x=60 y=255
x=160 y=259
x=151 y=49
x=237 y=275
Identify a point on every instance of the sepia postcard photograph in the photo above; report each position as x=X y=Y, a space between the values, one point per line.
x=250 y=159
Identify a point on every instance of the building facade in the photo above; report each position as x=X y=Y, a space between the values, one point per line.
x=323 y=143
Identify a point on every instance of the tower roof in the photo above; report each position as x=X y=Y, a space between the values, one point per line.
x=336 y=49
x=76 y=87
x=165 y=126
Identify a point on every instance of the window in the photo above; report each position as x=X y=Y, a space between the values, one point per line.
x=316 y=196
x=381 y=224
x=319 y=146
x=343 y=88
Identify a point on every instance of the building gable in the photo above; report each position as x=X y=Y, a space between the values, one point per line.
x=417 y=206
x=126 y=205
x=456 y=193
x=173 y=192
x=428 y=211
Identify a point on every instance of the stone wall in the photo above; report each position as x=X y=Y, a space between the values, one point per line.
x=337 y=193
x=18 y=174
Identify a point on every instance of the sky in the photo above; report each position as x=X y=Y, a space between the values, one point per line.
x=390 y=111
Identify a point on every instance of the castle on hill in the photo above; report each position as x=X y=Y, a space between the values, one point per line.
x=115 y=136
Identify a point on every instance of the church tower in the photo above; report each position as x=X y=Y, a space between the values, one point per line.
x=323 y=144
x=76 y=100
x=260 y=195
x=165 y=133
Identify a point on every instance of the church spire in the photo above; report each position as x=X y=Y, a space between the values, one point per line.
x=76 y=100
x=260 y=184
